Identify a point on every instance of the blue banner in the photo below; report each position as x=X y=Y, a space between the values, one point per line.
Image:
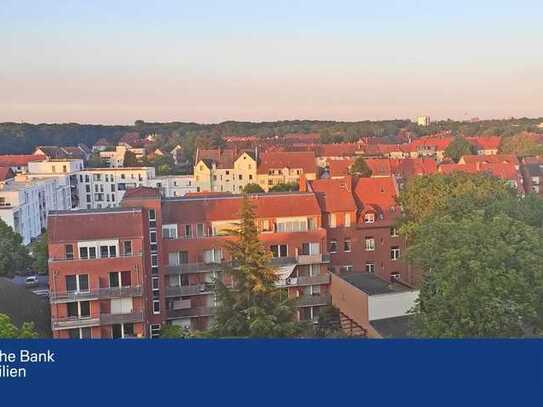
x=278 y=372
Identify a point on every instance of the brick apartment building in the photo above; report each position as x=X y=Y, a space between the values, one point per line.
x=123 y=272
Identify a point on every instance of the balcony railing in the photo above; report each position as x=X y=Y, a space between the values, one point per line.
x=181 y=291
x=120 y=256
x=313 y=300
x=96 y=320
x=98 y=294
x=275 y=262
x=308 y=280
x=198 y=311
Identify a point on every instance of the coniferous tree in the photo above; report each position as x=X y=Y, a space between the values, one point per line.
x=360 y=167
x=253 y=306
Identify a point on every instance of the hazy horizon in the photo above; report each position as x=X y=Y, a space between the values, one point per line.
x=104 y=63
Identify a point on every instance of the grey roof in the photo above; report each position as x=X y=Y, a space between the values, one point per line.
x=397 y=327
x=371 y=284
x=21 y=305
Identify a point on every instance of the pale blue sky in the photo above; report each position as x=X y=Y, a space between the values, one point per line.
x=208 y=61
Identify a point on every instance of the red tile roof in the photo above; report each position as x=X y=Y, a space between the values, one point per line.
x=19 y=160
x=283 y=159
x=141 y=192
x=339 y=168
x=222 y=158
x=337 y=150
x=380 y=167
x=489 y=159
x=334 y=195
x=378 y=194
x=485 y=142
x=92 y=225
x=410 y=167
x=6 y=173
x=505 y=171
x=196 y=209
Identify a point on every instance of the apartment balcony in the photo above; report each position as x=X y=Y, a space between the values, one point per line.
x=110 y=319
x=312 y=259
x=185 y=290
x=309 y=280
x=96 y=320
x=197 y=311
x=313 y=300
x=98 y=294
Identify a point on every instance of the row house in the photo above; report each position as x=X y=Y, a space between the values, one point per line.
x=532 y=173
x=97 y=272
x=221 y=170
x=282 y=167
x=360 y=216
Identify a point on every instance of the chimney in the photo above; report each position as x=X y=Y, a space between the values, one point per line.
x=302 y=184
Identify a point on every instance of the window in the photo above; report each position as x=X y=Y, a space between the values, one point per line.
x=332 y=246
x=77 y=283
x=126 y=279
x=104 y=251
x=152 y=236
x=156 y=307
x=80 y=333
x=394 y=253
x=200 y=229
x=332 y=220
x=127 y=246
x=292 y=226
x=347 y=220
x=267 y=226
x=213 y=256
x=188 y=231
x=394 y=232
x=311 y=223
x=92 y=252
x=177 y=258
x=347 y=244
x=346 y=268
x=370 y=244
x=370 y=267
x=155 y=282
x=154 y=260
x=69 y=251
x=152 y=218
x=114 y=279
x=395 y=275
x=169 y=231
x=79 y=309
x=369 y=218
x=112 y=251
x=279 y=250
x=83 y=252
x=315 y=290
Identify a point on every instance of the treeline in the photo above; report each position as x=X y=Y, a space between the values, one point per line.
x=21 y=138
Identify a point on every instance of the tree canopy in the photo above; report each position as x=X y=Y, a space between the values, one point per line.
x=40 y=254
x=13 y=255
x=285 y=187
x=252 y=189
x=360 y=167
x=521 y=144
x=254 y=306
x=459 y=147
x=9 y=331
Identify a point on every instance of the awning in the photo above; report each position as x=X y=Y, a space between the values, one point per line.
x=283 y=273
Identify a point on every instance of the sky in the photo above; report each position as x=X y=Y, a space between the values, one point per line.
x=114 y=62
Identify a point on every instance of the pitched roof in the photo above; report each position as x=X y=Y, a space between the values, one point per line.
x=380 y=167
x=221 y=158
x=337 y=150
x=141 y=192
x=19 y=160
x=339 y=168
x=56 y=152
x=6 y=173
x=111 y=223
x=410 y=167
x=485 y=142
x=505 y=171
x=284 y=159
x=194 y=209
x=489 y=159
x=377 y=193
x=334 y=195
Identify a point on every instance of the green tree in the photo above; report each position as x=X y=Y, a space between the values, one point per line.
x=95 y=161
x=164 y=164
x=252 y=189
x=40 y=255
x=254 y=306
x=174 y=332
x=13 y=255
x=521 y=144
x=130 y=160
x=482 y=277
x=459 y=147
x=329 y=325
x=434 y=194
x=285 y=187
x=10 y=331
x=360 y=167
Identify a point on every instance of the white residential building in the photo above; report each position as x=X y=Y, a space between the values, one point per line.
x=105 y=187
x=25 y=202
x=173 y=185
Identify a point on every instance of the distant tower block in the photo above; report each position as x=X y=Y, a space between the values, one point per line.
x=423 y=121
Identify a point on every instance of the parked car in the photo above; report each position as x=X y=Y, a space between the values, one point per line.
x=32 y=281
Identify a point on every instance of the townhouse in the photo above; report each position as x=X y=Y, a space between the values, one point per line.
x=171 y=186
x=360 y=216
x=219 y=170
x=532 y=173
x=282 y=167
